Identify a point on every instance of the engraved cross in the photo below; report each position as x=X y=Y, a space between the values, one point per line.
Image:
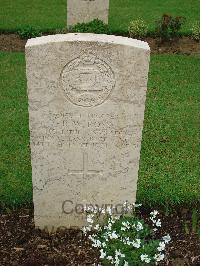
x=85 y=171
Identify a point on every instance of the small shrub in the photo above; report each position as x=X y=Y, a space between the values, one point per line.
x=60 y=31
x=95 y=26
x=126 y=239
x=29 y=32
x=168 y=27
x=196 y=31
x=137 y=29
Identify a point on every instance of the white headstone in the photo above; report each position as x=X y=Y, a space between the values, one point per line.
x=86 y=108
x=79 y=11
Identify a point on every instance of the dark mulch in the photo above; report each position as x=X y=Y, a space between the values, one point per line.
x=21 y=244
x=185 y=45
x=11 y=43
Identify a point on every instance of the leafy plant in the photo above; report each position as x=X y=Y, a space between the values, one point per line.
x=60 y=31
x=168 y=27
x=29 y=32
x=125 y=240
x=196 y=31
x=195 y=219
x=94 y=26
x=137 y=29
x=193 y=227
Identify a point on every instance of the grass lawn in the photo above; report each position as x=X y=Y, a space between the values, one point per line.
x=123 y=11
x=15 y=168
x=51 y=15
x=169 y=170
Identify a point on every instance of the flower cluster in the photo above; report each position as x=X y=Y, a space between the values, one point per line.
x=125 y=240
x=156 y=222
x=137 y=28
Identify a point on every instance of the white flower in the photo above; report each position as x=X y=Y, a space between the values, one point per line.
x=116 y=262
x=159 y=257
x=126 y=240
x=88 y=208
x=136 y=243
x=125 y=263
x=126 y=206
x=111 y=259
x=125 y=203
x=86 y=229
x=119 y=254
x=90 y=218
x=126 y=225
x=103 y=244
x=139 y=226
x=97 y=227
x=96 y=209
x=145 y=258
x=137 y=205
x=91 y=237
x=108 y=227
x=154 y=213
x=113 y=235
x=167 y=238
x=111 y=220
x=158 y=223
x=109 y=210
x=153 y=219
x=101 y=210
x=103 y=254
x=96 y=243
x=161 y=246
x=105 y=236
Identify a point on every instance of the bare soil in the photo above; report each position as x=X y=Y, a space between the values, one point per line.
x=23 y=245
x=184 y=45
x=12 y=43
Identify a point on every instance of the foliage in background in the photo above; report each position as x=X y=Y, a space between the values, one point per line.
x=94 y=26
x=194 y=227
x=29 y=32
x=196 y=31
x=125 y=239
x=137 y=29
x=60 y=31
x=50 y=15
x=168 y=27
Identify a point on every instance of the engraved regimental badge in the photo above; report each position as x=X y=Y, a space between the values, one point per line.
x=87 y=80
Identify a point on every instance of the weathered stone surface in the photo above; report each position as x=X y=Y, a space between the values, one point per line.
x=79 y=11
x=86 y=108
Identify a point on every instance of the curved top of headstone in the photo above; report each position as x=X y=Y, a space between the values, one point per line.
x=87 y=37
